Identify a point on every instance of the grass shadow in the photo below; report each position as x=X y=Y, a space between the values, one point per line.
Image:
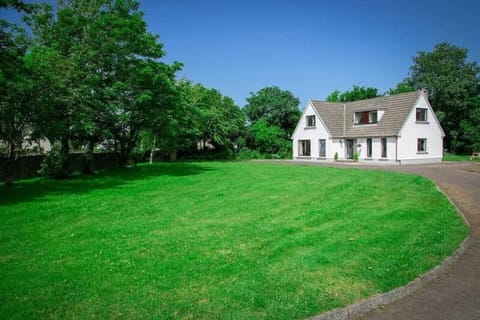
x=31 y=189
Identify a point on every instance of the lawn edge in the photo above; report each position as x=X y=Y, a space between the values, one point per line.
x=357 y=309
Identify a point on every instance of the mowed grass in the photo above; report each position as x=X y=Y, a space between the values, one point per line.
x=216 y=240
x=459 y=157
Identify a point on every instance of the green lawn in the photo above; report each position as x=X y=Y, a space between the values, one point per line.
x=458 y=157
x=216 y=240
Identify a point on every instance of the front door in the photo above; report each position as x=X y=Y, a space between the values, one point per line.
x=350 y=146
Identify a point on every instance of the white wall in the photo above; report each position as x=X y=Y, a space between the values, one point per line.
x=411 y=131
x=376 y=149
x=313 y=134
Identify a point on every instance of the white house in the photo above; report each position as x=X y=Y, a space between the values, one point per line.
x=401 y=128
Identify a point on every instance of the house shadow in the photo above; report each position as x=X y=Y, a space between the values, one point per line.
x=35 y=189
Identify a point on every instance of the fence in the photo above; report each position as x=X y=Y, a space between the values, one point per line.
x=28 y=166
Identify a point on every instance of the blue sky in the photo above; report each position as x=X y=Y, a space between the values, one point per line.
x=310 y=47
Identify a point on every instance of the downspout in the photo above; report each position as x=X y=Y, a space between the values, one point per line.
x=396 y=150
x=344 y=124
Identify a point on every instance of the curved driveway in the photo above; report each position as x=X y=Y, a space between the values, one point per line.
x=456 y=293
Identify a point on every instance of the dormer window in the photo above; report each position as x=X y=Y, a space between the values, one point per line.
x=421 y=115
x=310 y=121
x=366 y=117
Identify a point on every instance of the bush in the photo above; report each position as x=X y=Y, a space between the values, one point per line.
x=248 y=154
x=335 y=157
x=53 y=166
x=355 y=157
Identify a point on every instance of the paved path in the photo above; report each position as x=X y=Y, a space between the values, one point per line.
x=455 y=295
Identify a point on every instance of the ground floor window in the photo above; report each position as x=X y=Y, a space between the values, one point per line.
x=422 y=145
x=323 y=151
x=304 y=148
x=369 y=148
x=384 y=147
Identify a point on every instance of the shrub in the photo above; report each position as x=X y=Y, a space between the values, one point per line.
x=355 y=156
x=53 y=166
x=248 y=154
x=335 y=156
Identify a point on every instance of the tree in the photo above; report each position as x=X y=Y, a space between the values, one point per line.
x=276 y=106
x=453 y=85
x=266 y=138
x=220 y=120
x=357 y=93
x=198 y=116
x=334 y=96
x=401 y=87
x=16 y=88
x=178 y=127
x=114 y=85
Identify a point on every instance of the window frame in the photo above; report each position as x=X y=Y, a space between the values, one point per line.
x=365 y=117
x=383 y=145
x=418 y=115
x=422 y=142
x=302 y=144
x=324 y=143
x=308 y=118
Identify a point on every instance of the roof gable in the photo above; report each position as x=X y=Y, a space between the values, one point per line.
x=338 y=117
x=300 y=121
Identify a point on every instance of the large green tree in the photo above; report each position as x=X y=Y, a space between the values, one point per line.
x=276 y=106
x=453 y=84
x=17 y=100
x=198 y=117
x=357 y=93
x=114 y=84
x=401 y=87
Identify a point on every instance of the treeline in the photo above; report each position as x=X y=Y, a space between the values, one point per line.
x=89 y=75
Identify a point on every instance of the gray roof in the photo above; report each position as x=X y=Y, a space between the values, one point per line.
x=338 y=117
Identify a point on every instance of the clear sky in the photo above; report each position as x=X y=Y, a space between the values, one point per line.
x=310 y=47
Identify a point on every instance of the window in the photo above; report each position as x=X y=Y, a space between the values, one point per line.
x=304 y=148
x=421 y=115
x=369 y=148
x=322 y=152
x=422 y=145
x=310 y=121
x=366 y=117
x=384 y=147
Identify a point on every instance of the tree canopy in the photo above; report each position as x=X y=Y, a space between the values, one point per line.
x=357 y=93
x=276 y=106
x=453 y=84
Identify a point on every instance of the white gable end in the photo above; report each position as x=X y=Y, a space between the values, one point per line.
x=413 y=130
x=305 y=131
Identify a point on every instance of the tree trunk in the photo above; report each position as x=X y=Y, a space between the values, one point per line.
x=173 y=155
x=152 y=151
x=88 y=169
x=9 y=170
x=123 y=154
x=65 y=150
